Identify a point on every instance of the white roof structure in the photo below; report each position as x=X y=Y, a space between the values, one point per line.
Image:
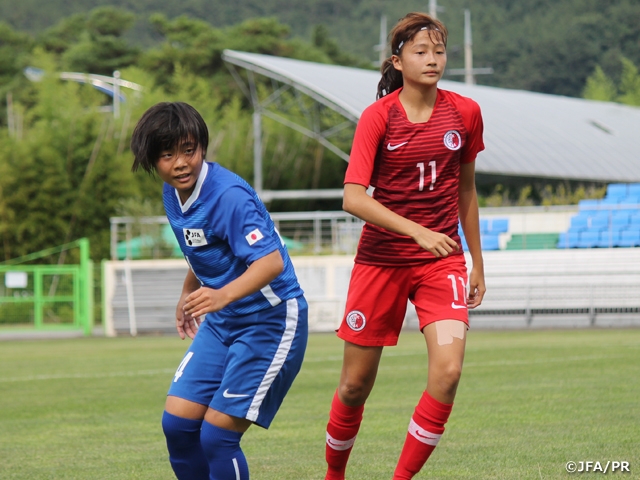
x=527 y=134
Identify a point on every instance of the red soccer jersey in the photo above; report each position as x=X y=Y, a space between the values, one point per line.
x=415 y=169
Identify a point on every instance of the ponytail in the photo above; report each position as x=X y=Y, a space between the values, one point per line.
x=391 y=79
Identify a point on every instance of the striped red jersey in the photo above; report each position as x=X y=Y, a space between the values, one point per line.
x=415 y=169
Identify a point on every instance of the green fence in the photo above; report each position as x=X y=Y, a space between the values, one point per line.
x=37 y=297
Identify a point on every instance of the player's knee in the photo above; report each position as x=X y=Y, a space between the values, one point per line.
x=179 y=430
x=448 y=377
x=354 y=393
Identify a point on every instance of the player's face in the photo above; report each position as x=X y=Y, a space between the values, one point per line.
x=422 y=60
x=180 y=168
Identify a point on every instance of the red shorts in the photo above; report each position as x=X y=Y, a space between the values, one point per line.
x=378 y=297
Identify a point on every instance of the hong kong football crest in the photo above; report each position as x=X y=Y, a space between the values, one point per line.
x=452 y=140
x=356 y=320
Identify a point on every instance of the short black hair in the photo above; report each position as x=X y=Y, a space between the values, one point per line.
x=166 y=126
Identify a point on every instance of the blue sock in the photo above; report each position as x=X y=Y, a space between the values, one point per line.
x=222 y=449
x=185 y=451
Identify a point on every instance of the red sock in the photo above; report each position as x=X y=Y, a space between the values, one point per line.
x=343 y=426
x=425 y=429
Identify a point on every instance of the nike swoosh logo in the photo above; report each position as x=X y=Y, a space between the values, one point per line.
x=453 y=305
x=226 y=394
x=427 y=437
x=393 y=147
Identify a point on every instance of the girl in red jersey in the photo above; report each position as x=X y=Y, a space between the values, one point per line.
x=416 y=146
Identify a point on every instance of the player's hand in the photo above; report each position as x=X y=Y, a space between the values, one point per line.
x=203 y=301
x=437 y=243
x=477 y=287
x=186 y=325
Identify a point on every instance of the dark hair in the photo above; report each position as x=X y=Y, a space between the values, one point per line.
x=403 y=32
x=166 y=126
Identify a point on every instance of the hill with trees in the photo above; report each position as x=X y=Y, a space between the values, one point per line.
x=548 y=46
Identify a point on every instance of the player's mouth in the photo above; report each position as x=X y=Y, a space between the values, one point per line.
x=183 y=178
x=432 y=73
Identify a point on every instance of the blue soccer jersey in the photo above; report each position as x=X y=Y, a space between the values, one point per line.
x=222 y=229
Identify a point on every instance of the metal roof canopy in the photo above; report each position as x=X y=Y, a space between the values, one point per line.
x=526 y=134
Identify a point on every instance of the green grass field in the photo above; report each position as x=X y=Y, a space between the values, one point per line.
x=528 y=403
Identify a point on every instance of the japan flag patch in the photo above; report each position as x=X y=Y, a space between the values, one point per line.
x=254 y=236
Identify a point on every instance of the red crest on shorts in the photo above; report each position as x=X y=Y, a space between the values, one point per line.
x=356 y=320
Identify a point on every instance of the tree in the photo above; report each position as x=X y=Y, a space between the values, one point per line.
x=600 y=87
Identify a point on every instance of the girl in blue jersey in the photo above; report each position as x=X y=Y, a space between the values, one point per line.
x=241 y=302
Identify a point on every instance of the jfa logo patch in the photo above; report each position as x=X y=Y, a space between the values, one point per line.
x=452 y=140
x=194 y=237
x=356 y=320
x=254 y=236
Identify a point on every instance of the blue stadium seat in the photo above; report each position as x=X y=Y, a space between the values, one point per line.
x=634 y=221
x=619 y=220
x=611 y=200
x=616 y=190
x=568 y=240
x=633 y=189
x=609 y=239
x=579 y=222
x=489 y=242
x=498 y=225
x=484 y=225
x=599 y=222
x=589 y=239
x=465 y=247
x=588 y=205
x=629 y=238
x=630 y=200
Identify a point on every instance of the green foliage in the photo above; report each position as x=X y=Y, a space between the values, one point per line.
x=538 y=193
x=600 y=87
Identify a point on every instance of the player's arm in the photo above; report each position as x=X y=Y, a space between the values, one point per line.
x=186 y=324
x=358 y=203
x=259 y=274
x=470 y=221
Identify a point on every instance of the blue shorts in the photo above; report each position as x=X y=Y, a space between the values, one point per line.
x=243 y=366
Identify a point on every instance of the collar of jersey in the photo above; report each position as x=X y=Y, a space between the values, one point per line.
x=196 y=191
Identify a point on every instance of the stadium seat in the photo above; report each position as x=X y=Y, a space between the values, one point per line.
x=611 y=200
x=629 y=238
x=589 y=239
x=465 y=247
x=616 y=190
x=599 y=222
x=484 y=225
x=588 y=205
x=609 y=239
x=634 y=221
x=489 y=242
x=630 y=200
x=633 y=189
x=619 y=220
x=568 y=240
x=498 y=225
x=579 y=222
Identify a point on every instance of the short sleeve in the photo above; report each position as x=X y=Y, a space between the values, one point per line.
x=475 y=128
x=370 y=131
x=238 y=221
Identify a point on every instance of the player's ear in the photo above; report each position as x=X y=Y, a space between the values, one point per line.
x=397 y=62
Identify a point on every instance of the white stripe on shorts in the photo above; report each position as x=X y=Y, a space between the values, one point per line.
x=278 y=359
